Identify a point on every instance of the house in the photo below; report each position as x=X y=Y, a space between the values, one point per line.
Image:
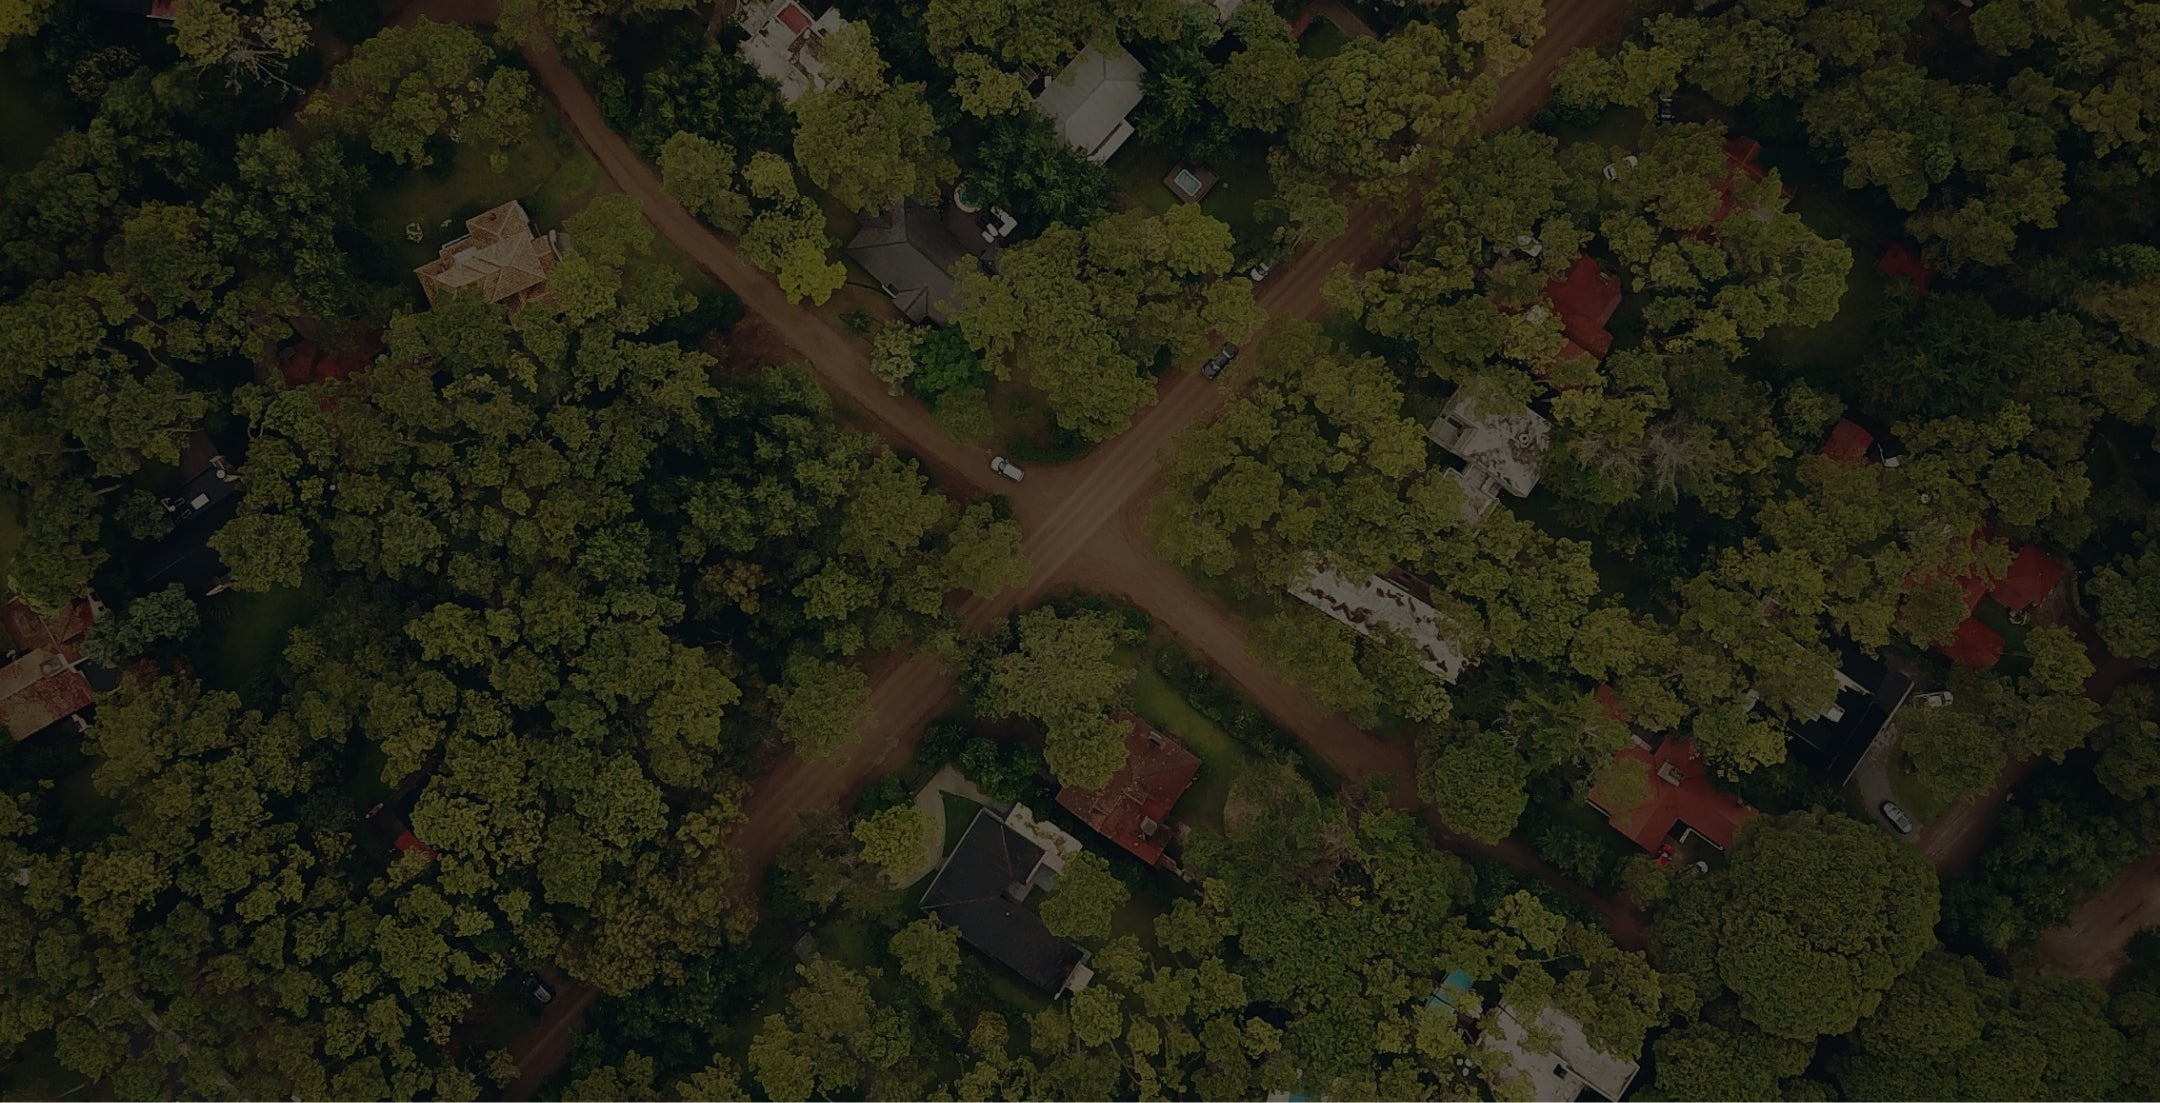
x=46 y=681
x=1678 y=800
x=208 y=498
x=1869 y=694
x=499 y=254
x=1555 y=1058
x=1740 y=154
x=1090 y=98
x=1510 y=448
x=910 y=251
x=1976 y=645
x=1585 y=300
x=979 y=891
x=1900 y=262
x=1133 y=808
x=784 y=42
x=1380 y=600
x=2032 y=576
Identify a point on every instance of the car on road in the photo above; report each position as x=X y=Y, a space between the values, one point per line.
x=538 y=989
x=1216 y=363
x=1897 y=817
x=1007 y=468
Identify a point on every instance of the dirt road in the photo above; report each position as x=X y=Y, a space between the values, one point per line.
x=1080 y=521
x=2091 y=943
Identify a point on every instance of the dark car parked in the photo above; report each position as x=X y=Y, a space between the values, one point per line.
x=1216 y=363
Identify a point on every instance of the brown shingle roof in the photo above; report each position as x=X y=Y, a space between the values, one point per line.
x=499 y=254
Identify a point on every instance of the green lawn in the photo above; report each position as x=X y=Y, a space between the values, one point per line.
x=11 y=521
x=1139 y=168
x=33 y=109
x=549 y=173
x=1245 y=182
x=1222 y=758
x=959 y=813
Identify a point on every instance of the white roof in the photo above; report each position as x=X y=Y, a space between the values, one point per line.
x=1090 y=98
x=1573 y=1063
x=779 y=52
x=1511 y=447
x=1057 y=844
x=1379 y=601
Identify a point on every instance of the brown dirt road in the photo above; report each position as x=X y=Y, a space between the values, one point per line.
x=1080 y=520
x=2091 y=943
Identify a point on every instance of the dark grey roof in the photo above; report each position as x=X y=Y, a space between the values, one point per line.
x=909 y=251
x=969 y=894
x=1837 y=746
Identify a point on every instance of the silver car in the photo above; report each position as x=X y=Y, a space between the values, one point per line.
x=1897 y=817
x=1007 y=468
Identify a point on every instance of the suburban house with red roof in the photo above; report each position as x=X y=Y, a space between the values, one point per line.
x=1134 y=808
x=2032 y=576
x=1585 y=300
x=1676 y=800
x=46 y=681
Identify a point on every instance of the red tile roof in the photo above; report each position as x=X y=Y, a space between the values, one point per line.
x=797 y=20
x=59 y=632
x=408 y=842
x=1976 y=645
x=1585 y=301
x=1130 y=811
x=2032 y=575
x=1899 y=261
x=1847 y=441
x=1679 y=792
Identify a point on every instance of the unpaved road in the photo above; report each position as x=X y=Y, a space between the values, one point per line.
x=2091 y=943
x=1080 y=520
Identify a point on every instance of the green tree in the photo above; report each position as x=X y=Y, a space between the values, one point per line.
x=1087 y=898
x=929 y=955
x=821 y=705
x=407 y=86
x=1064 y=674
x=1474 y=782
x=864 y=139
x=893 y=839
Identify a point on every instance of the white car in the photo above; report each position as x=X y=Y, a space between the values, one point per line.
x=1007 y=468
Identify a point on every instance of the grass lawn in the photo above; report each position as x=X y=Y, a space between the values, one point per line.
x=1024 y=426
x=1916 y=800
x=959 y=813
x=11 y=522
x=1222 y=758
x=33 y=109
x=246 y=633
x=549 y=172
x=1139 y=168
x=1245 y=182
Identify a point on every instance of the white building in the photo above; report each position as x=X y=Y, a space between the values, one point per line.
x=1379 y=601
x=1090 y=98
x=783 y=44
x=1510 y=448
x=1563 y=1072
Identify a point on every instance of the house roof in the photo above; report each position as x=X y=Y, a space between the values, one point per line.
x=1132 y=809
x=1900 y=262
x=909 y=251
x=1570 y=1068
x=499 y=254
x=1380 y=600
x=970 y=893
x=1585 y=300
x=38 y=690
x=1511 y=446
x=2031 y=577
x=60 y=632
x=1847 y=441
x=1678 y=792
x=1869 y=694
x=1975 y=645
x=783 y=43
x=1090 y=98
x=793 y=17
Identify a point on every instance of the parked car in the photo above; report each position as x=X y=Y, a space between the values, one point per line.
x=1664 y=110
x=538 y=989
x=1941 y=698
x=1260 y=271
x=1612 y=171
x=1216 y=363
x=1897 y=817
x=1007 y=468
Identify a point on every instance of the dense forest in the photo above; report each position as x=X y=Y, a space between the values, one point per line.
x=436 y=642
